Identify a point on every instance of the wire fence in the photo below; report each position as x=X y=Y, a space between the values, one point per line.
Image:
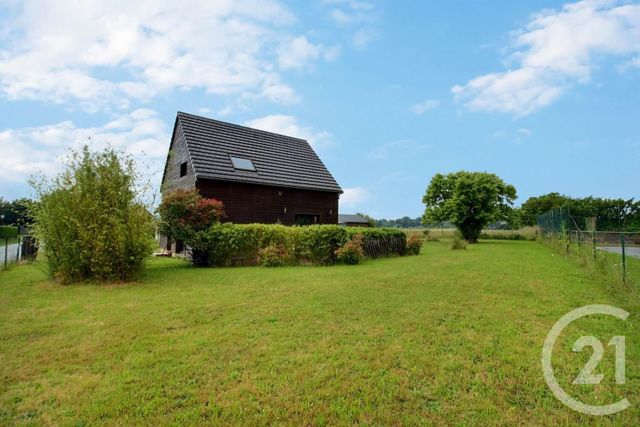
x=12 y=251
x=614 y=254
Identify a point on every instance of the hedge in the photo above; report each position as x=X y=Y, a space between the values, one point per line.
x=244 y=244
x=8 y=232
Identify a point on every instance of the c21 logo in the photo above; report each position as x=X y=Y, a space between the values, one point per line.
x=586 y=375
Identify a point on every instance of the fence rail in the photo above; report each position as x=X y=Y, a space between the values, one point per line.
x=18 y=249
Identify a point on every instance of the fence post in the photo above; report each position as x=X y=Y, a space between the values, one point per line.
x=595 y=247
x=6 y=252
x=624 y=259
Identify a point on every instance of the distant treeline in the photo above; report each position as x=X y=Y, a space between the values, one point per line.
x=17 y=212
x=404 y=222
x=611 y=214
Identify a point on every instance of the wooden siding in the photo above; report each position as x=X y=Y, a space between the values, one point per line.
x=250 y=203
x=178 y=154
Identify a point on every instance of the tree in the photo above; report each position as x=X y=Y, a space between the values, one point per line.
x=369 y=218
x=19 y=212
x=470 y=200
x=91 y=219
x=536 y=206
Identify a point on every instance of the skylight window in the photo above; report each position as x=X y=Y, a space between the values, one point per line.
x=242 y=164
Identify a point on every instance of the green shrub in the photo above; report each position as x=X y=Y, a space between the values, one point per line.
x=322 y=241
x=351 y=253
x=91 y=219
x=274 y=256
x=225 y=244
x=458 y=243
x=414 y=244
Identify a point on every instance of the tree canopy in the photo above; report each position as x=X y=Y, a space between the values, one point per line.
x=611 y=214
x=470 y=200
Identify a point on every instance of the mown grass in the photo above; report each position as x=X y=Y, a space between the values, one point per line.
x=447 y=337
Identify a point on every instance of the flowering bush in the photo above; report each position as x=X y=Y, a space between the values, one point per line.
x=274 y=256
x=414 y=244
x=351 y=252
x=183 y=213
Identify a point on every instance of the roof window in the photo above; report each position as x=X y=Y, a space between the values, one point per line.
x=242 y=164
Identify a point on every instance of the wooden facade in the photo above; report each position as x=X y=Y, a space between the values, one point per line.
x=248 y=203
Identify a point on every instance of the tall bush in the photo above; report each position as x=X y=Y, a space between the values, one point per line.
x=185 y=215
x=91 y=218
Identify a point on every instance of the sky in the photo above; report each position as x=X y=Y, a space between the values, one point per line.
x=389 y=93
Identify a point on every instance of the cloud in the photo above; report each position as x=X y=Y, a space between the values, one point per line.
x=354 y=196
x=402 y=146
x=39 y=150
x=288 y=125
x=425 y=106
x=518 y=136
x=555 y=50
x=363 y=37
x=105 y=54
x=356 y=15
x=299 y=52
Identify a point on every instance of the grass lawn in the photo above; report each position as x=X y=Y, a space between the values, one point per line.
x=447 y=337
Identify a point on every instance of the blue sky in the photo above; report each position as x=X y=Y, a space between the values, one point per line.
x=542 y=93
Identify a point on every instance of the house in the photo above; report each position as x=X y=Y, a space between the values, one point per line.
x=261 y=177
x=353 y=220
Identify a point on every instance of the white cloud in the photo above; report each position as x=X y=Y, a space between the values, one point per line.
x=356 y=15
x=555 y=50
x=363 y=37
x=354 y=196
x=288 y=125
x=104 y=54
x=299 y=52
x=517 y=136
x=402 y=146
x=36 y=150
x=424 y=106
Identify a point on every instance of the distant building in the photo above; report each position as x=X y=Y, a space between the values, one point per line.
x=260 y=177
x=353 y=220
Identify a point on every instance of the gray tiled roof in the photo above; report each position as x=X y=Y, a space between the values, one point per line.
x=345 y=218
x=279 y=160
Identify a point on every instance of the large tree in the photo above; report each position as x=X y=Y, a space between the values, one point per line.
x=470 y=200
x=535 y=206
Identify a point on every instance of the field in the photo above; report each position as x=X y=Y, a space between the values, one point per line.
x=446 y=337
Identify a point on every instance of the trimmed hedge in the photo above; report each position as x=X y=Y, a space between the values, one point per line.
x=246 y=244
x=8 y=232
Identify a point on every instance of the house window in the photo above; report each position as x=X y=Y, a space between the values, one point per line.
x=242 y=164
x=183 y=169
x=306 y=219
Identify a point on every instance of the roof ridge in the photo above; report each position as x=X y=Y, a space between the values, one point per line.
x=182 y=113
x=281 y=160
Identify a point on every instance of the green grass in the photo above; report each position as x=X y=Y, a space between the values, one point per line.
x=447 y=337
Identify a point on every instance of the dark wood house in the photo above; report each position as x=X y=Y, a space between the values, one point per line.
x=353 y=220
x=260 y=176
